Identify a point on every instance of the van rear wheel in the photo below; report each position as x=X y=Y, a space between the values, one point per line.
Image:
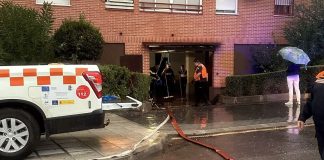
x=19 y=134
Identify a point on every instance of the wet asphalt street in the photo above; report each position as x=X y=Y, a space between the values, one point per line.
x=285 y=144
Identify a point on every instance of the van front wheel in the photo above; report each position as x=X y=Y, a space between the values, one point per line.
x=19 y=134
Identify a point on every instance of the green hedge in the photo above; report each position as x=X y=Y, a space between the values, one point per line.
x=121 y=82
x=115 y=80
x=140 y=86
x=268 y=83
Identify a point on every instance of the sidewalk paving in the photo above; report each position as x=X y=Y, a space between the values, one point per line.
x=120 y=135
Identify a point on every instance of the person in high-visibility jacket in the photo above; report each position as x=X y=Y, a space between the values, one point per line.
x=201 y=83
x=314 y=108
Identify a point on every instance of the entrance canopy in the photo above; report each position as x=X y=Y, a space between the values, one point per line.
x=180 y=46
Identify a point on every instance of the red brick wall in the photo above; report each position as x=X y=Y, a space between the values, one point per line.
x=254 y=24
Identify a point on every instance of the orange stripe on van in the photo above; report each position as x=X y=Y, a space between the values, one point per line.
x=4 y=73
x=79 y=71
x=43 y=80
x=69 y=80
x=16 y=81
x=56 y=71
x=28 y=72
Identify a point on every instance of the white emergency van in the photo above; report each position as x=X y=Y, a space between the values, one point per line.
x=48 y=99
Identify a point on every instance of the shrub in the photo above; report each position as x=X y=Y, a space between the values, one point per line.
x=266 y=59
x=140 y=85
x=78 y=40
x=268 y=83
x=25 y=34
x=306 y=29
x=116 y=80
x=121 y=82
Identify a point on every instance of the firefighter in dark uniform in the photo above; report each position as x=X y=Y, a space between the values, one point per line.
x=183 y=81
x=155 y=78
x=201 y=83
x=169 y=80
x=315 y=107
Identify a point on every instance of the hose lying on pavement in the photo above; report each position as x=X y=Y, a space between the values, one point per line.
x=128 y=152
x=183 y=135
x=175 y=125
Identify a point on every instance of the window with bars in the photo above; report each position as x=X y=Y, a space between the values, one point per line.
x=120 y=4
x=55 y=2
x=284 y=7
x=177 y=6
x=226 y=6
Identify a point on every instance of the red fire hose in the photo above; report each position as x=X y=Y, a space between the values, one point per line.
x=183 y=135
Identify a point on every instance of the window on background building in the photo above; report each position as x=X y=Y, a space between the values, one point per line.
x=163 y=5
x=179 y=6
x=120 y=4
x=55 y=2
x=284 y=7
x=226 y=6
x=147 y=5
x=193 y=5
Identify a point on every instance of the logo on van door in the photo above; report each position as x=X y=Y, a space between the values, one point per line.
x=83 y=92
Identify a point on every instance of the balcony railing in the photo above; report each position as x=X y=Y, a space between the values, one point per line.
x=170 y=7
x=120 y=4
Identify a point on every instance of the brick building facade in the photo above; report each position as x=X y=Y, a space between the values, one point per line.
x=254 y=23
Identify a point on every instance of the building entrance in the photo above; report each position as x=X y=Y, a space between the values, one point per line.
x=182 y=55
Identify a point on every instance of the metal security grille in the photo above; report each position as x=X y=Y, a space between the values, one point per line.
x=120 y=4
x=284 y=2
x=283 y=7
x=177 y=6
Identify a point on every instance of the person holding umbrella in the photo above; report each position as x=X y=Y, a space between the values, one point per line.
x=296 y=57
x=293 y=82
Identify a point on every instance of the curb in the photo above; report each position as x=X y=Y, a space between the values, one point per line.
x=258 y=98
x=192 y=133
